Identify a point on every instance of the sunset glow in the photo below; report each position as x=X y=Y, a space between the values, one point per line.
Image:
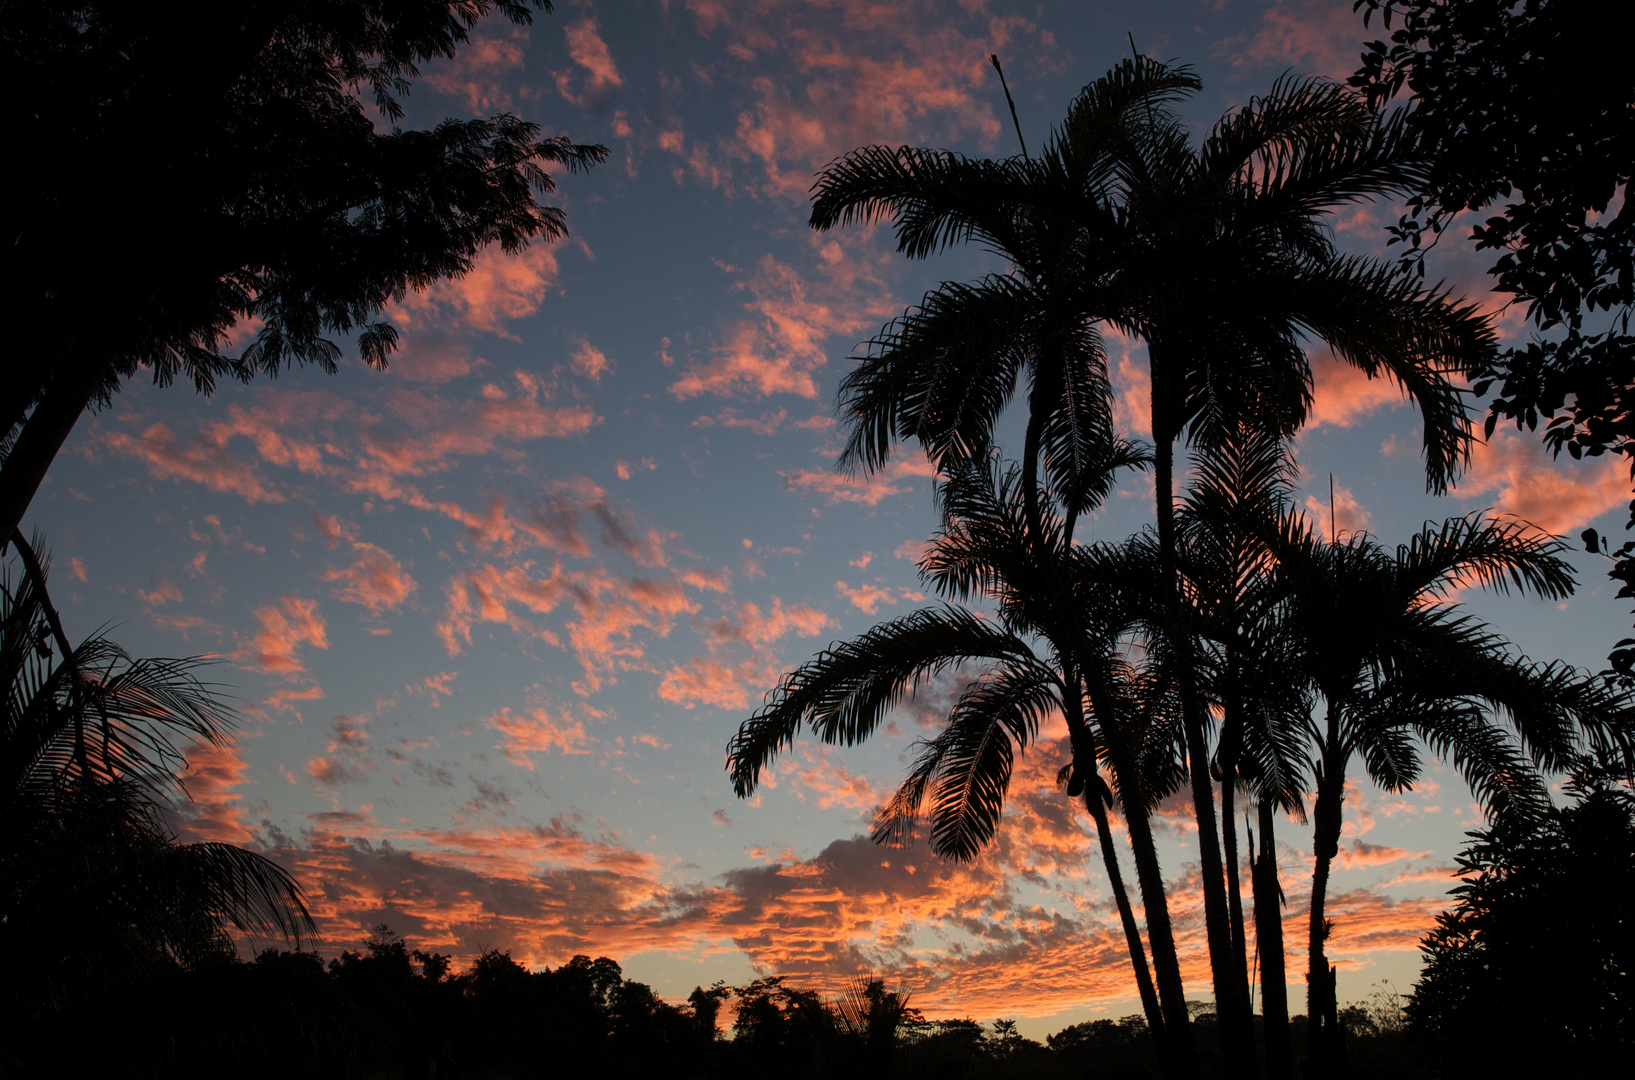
x=490 y=616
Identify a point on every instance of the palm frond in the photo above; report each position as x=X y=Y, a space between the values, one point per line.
x=847 y=691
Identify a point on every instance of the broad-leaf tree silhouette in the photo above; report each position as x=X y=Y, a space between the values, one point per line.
x=1539 y=940
x=1530 y=118
x=183 y=169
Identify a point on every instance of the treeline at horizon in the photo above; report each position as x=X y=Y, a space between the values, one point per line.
x=390 y=1010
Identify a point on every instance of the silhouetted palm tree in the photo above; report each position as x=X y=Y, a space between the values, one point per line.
x=97 y=892
x=1029 y=655
x=1216 y=256
x=1397 y=666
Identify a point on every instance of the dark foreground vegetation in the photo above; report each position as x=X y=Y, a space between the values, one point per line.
x=391 y=1010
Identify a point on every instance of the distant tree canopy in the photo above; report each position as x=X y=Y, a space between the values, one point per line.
x=1541 y=940
x=183 y=168
x=1528 y=111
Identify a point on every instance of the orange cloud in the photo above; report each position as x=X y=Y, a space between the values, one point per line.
x=215 y=810
x=377 y=580
x=1558 y=496
x=537 y=731
x=608 y=609
x=285 y=627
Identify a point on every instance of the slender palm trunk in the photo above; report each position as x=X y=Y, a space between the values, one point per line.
x=1234 y=888
x=1231 y=994
x=1274 y=987
x=1231 y=741
x=1126 y=914
x=1177 y=1054
x=1328 y=814
x=1180 y=1055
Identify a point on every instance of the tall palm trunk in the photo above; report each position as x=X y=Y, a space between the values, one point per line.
x=1231 y=989
x=1274 y=987
x=1328 y=815
x=1177 y=1053
x=1231 y=733
x=1234 y=888
x=1126 y=915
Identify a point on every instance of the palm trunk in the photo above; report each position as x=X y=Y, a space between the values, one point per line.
x=1274 y=987
x=1231 y=994
x=1321 y=1006
x=1085 y=765
x=1234 y=888
x=1178 y=1051
x=1126 y=915
x=1230 y=745
x=43 y=434
x=1178 y=1056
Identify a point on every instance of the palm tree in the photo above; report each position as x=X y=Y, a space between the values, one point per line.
x=96 y=891
x=1235 y=509
x=1397 y=666
x=986 y=551
x=1215 y=255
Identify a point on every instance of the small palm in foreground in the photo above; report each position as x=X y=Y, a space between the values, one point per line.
x=96 y=891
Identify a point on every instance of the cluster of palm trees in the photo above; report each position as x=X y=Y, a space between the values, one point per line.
x=1232 y=651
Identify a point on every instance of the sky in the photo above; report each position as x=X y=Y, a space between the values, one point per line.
x=490 y=616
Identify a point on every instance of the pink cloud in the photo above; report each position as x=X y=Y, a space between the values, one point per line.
x=499 y=289
x=1558 y=496
x=481 y=70
x=537 y=731
x=595 y=59
x=854 y=73
x=201 y=462
x=590 y=362
x=1343 y=395
x=285 y=627
x=1310 y=36
x=1349 y=515
x=781 y=345
x=377 y=580
x=868 y=598
x=868 y=489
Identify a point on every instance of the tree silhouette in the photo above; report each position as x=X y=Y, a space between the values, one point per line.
x=1397 y=666
x=97 y=894
x=1545 y=902
x=1214 y=255
x=1529 y=116
x=1030 y=661
x=253 y=191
